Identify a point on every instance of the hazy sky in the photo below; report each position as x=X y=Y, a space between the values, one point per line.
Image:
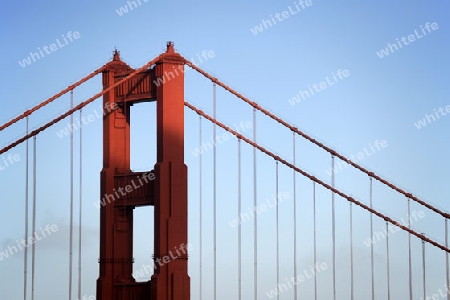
x=351 y=74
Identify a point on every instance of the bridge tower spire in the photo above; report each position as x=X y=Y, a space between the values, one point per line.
x=122 y=190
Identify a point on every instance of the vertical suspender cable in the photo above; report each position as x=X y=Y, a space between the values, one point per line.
x=71 y=200
x=387 y=262
x=424 y=270
x=295 y=219
x=201 y=209
x=81 y=206
x=33 y=247
x=25 y=252
x=315 y=238
x=255 y=219
x=215 y=191
x=352 y=286
x=240 y=227
x=277 y=228
x=333 y=220
x=371 y=245
x=446 y=254
x=409 y=251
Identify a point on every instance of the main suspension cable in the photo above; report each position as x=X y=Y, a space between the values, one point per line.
x=314 y=141
x=51 y=99
x=313 y=178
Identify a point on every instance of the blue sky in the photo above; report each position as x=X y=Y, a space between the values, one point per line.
x=380 y=99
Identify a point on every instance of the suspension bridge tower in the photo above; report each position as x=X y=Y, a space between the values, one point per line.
x=165 y=187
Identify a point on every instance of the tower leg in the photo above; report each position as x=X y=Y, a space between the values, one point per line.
x=171 y=280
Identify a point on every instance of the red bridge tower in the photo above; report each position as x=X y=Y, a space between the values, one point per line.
x=167 y=191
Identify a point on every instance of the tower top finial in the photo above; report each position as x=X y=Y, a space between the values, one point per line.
x=170 y=47
x=116 y=56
